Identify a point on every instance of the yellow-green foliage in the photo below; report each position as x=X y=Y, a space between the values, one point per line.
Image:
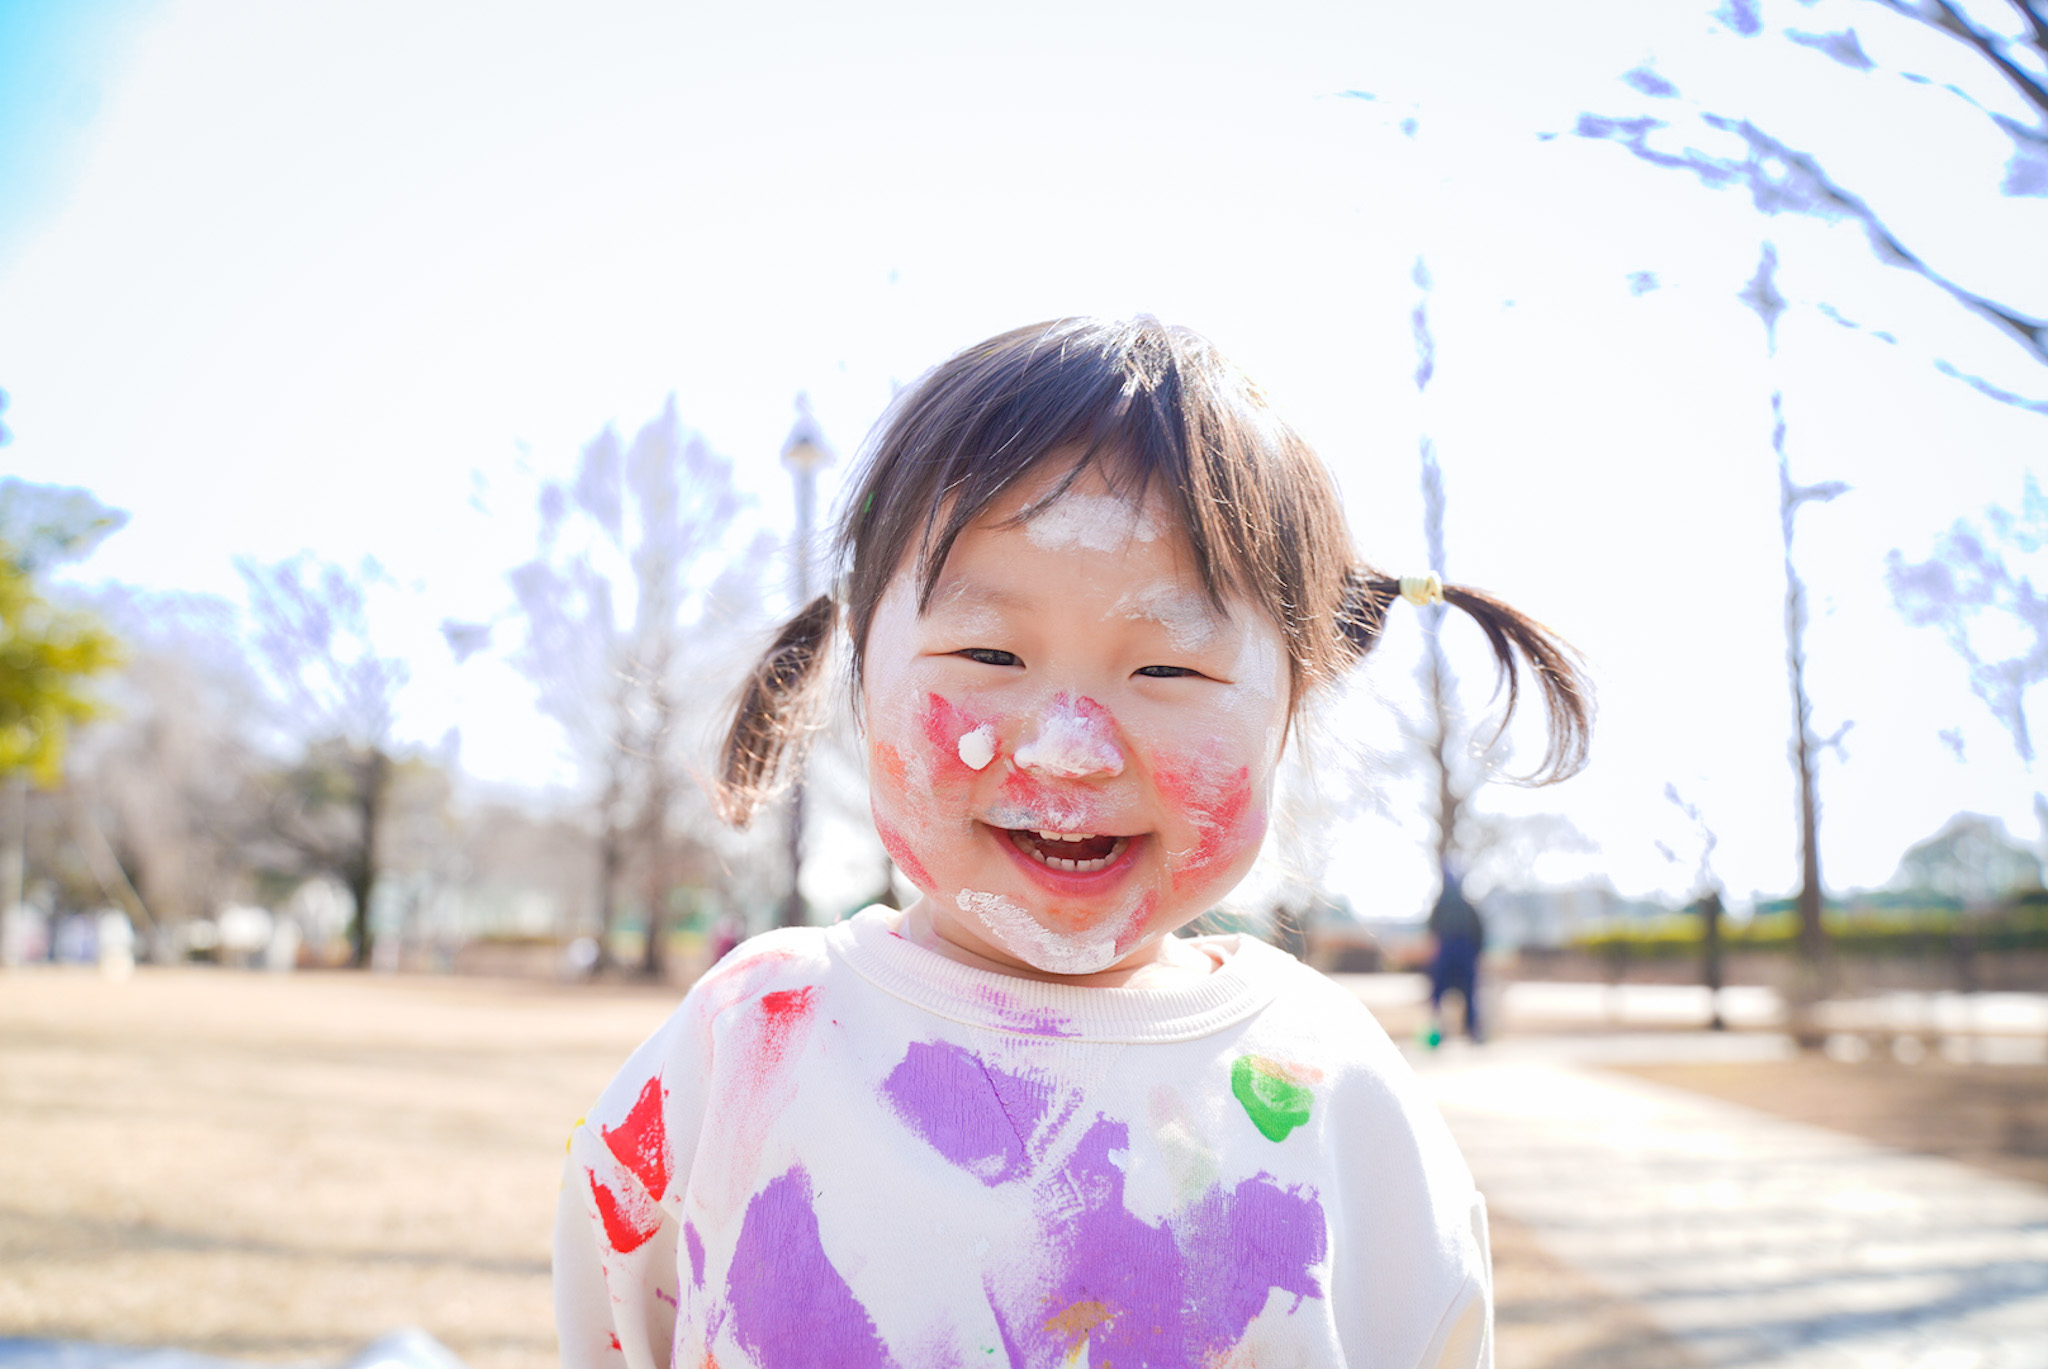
x=1860 y=930
x=46 y=656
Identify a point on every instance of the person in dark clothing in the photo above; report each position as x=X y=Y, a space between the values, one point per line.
x=1460 y=937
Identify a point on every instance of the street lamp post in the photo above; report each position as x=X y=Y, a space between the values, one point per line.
x=805 y=454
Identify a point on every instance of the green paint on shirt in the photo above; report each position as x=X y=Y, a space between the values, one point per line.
x=1275 y=1103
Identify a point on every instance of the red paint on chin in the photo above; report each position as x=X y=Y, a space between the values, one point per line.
x=906 y=859
x=640 y=1143
x=1219 y=812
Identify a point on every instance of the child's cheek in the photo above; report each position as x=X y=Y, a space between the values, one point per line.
x=943 y=726
x=1218 y=802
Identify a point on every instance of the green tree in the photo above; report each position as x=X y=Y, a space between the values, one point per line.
x=47 y=653
x=47 y=656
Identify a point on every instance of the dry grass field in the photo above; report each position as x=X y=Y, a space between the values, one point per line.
x=282 y=1168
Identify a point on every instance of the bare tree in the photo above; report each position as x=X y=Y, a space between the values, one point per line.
x=625 y=606
x=311 y=632
x=1761 y=296
x=1707 y=901
x=164 y=797
x=1974 y=588
x=1439 y=684
x=1723 y=149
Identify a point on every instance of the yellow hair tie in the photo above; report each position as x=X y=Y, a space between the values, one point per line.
x=1422 y=590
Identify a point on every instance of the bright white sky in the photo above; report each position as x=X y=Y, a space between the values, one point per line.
x=349 y=278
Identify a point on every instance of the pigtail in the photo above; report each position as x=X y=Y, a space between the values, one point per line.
x=1518 y=641
x=776 y=713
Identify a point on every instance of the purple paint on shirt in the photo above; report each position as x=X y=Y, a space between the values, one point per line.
x=1027 y=1021
x=979 y=1117
x=695 y=1245
x=1142 y=1295
x=790 y=1308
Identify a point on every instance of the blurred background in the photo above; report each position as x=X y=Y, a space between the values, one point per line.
x=415 y=419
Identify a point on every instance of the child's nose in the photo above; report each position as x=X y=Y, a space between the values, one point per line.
x=1072 y=740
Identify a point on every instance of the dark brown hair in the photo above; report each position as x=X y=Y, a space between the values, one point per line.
x=1150 y=408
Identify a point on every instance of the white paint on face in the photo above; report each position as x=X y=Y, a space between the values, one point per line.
x=1016 y=931
x=1070 y=745
x=1098 y=522
x=1188 y=619
x=978 y=748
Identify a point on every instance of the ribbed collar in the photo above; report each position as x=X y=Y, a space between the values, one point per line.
x=1245 y=982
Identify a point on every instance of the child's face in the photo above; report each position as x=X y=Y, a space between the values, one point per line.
x=1072 y=753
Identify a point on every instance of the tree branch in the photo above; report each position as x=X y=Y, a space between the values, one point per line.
x=1952 y=21
x=1803 y=187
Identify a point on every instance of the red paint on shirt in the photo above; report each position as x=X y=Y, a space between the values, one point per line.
x=628 y=1224
x=784 y=1014
x=641 y=1141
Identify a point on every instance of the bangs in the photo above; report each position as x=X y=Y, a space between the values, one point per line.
x=1150 y=409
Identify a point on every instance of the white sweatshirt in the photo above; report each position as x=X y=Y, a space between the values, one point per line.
x=845 y=1150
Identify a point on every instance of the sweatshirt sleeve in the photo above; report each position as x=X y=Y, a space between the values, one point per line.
x=1464 y=1338
x=617 y=1221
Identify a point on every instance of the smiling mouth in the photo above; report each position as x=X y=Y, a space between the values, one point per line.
x=1074 y=853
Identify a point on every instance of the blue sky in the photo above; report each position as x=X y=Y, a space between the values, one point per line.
x=350 y=278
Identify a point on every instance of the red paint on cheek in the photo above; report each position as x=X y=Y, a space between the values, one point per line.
x=641 y=1141
x=1218 y=812
x=944 y=725
x=629 y=1223
x=888 y=766
x=906 y=859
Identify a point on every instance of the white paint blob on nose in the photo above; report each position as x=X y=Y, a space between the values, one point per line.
x=1099 y=522
x=1070 y=745
x=978 y=748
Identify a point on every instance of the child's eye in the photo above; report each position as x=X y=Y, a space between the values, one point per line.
x=1168 y=672
x=989 y=656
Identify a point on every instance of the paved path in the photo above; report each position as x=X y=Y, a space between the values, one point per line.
x=1753 y=1241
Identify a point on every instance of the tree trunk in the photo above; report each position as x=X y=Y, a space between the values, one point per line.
x=13 y=860
x=654 y=827
x=611 y=855
x=1810 y=984
x=792 y=914
x=373 y=778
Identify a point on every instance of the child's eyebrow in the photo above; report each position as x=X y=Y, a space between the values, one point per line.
x=975 y=594
x=1189 y=618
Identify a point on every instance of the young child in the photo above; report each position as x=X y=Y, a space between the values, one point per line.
x=1091 y=579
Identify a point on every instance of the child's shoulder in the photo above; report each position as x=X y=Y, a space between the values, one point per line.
x=786 y=959
x=1326 y=1019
